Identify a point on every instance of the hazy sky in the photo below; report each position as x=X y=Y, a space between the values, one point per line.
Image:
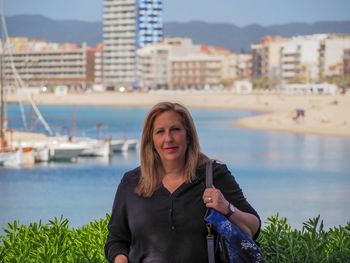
x=239 y=12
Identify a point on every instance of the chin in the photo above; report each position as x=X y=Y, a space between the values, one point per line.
x=171 y=158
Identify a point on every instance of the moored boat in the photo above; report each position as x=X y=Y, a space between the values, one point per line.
x=94 y=147
x=118 y=145
x=131 y=144
x=64 y=151
x=11 y=158
x=123 y=145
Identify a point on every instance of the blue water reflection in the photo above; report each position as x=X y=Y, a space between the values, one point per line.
x=299 y=176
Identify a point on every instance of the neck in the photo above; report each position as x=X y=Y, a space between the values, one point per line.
x=173 y=178
x=174 y=170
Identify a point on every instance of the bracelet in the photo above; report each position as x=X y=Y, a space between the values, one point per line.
x=231 y=210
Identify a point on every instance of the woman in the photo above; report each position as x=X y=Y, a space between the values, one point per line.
x=159 y=207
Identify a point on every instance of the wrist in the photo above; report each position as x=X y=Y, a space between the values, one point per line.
x=230 y=210
x=120 y=258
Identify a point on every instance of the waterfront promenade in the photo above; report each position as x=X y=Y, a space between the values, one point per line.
x=323 y=115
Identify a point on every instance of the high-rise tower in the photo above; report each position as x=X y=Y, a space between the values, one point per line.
x=128 y=25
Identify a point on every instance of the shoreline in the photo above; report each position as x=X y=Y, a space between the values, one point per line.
x=324 y=114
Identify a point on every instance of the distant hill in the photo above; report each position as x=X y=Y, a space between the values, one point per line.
x=219 y=34
x=41 y=27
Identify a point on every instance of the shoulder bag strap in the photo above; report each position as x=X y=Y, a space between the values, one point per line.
x=210 y=237
x=209 y=174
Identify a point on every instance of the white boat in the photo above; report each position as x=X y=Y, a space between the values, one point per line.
x=131 y=144
x=5 y=156
x=20 y=154
x=94 y=147
x=118 y=145
x=123 y=145
x=42 y=154
x=11 y=158
x=28 y=156
x=40 y=149
x=64 y=151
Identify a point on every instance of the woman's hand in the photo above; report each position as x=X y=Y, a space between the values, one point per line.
x=213 y=198
x=248 y=223
x=121 y=259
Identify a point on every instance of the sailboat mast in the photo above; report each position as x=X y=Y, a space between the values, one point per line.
x=2 y=109
x=2 y=88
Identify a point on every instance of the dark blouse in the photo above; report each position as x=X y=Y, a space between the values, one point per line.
x=166 y=227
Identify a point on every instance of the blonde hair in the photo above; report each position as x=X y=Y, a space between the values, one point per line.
x=151 y=166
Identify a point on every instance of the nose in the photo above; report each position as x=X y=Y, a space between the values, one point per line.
x=168 y=136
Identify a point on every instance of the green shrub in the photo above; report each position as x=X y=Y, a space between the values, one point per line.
x=56 y=242
x=280 y=243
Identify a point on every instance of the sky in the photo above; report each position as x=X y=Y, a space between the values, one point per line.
x=238 y=12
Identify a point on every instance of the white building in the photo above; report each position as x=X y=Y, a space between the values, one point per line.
x=242 y=87
x=127 y=26
x=154 y=61
x=154 y=66
x=301 y=89
x=176 y=63
x=236 y=66
x=332 y=54
x=300 y=59
x=266 y=58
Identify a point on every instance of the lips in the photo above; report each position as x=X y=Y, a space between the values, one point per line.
x=170 y=149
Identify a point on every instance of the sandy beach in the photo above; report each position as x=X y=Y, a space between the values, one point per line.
x=323 y=115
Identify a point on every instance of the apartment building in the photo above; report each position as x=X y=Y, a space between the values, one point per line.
x=300 y=59
x=127 y=26
x=38 y=63
x=236 y=66
x=196 y=71
x=266 y=57
x=153 y=66
x=332 y=54
x=98 y=65
x=177 y=63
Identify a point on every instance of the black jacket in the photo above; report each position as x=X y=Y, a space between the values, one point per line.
x=166 y=227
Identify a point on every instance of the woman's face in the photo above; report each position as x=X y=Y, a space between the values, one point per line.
x=170 y=138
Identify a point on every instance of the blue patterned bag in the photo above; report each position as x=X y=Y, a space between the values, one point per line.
x=239 y=246
x=232 y=244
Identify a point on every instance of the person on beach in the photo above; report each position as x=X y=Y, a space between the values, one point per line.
x=159 y=207
x=299 y=113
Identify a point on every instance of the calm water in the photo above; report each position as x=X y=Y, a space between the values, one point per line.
x=299 y=176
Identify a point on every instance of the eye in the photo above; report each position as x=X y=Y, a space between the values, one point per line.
x=176 y=128
x=158 y=131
